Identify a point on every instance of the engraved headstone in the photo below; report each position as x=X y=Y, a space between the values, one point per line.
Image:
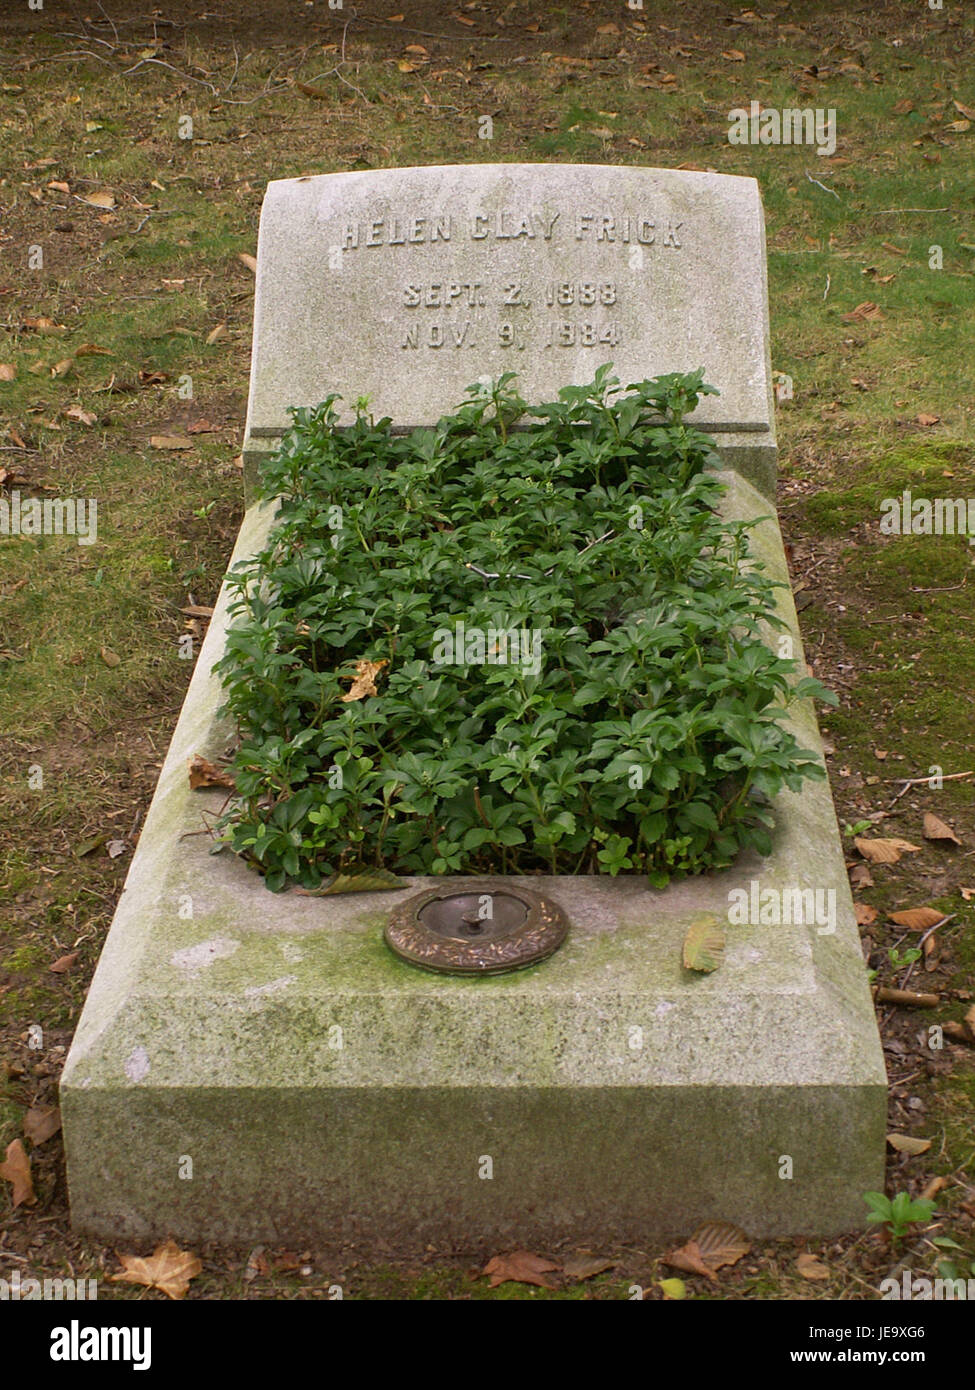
x=406 y=285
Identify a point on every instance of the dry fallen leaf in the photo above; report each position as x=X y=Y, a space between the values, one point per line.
x=903 y=108
x=704 y=944
x=103 y=199
x=64 y=963
x=672 y=1289
x=109 y=657
x=44 y=325
x=917 y=918
x=583 y=1266
x=866 y=310
x=75 y=412
x=217 y=333
x=908 y=1143
x=170 y=441
x=927 y=420
x=16 y=1169
x=713 y=1245
x=200 y=427
x=865 y=914
x=935 y=829
x=885 y=851
x=364 y=682
x=247 y=260
x=168 y=1268
x=207 y=774
x=894 y=250
x=967 y=111
x=809 y=1267
x=733 y=55
x=861 y=877
x=8 y=372
x=521 y=1267
x=41 y=1123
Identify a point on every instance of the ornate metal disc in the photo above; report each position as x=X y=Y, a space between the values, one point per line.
x=483 y=928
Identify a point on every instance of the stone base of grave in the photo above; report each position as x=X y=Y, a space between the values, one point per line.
x=265 y=1070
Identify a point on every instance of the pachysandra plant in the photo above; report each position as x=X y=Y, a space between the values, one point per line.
x=485 y=649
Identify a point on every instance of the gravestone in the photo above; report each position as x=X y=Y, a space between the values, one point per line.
x=260 y=1067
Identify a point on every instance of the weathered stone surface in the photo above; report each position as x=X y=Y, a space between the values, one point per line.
x=408 y=284
x=214 y=1036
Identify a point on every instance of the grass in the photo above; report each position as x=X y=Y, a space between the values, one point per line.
x=150 y=279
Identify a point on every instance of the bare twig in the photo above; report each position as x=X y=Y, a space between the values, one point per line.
x=824 y=188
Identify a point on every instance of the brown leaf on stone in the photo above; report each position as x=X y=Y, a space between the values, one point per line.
x=64 y=963
x=704 y=944
x=206 y=774
x=168 y=1268
x=935 y=829
x=885 y=851
x=15 y=1169
x=865 y=914
x=809 y=1267
x=41 y=1123
x=364 y=681
x=520 y=1267
x=917 y=918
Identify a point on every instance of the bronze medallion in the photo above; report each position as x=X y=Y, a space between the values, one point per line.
x=483 y=928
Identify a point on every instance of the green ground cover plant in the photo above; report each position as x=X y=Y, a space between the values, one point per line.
x=480 y=648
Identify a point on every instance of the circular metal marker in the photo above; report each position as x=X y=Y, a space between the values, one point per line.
x=481 y=929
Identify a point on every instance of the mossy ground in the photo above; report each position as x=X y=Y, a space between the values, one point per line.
x=156 y=282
